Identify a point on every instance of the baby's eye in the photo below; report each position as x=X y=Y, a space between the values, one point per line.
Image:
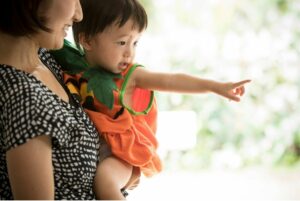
x=121 y=43
x=135 y=43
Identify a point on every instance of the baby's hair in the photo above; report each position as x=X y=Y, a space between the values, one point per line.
x=99 y=14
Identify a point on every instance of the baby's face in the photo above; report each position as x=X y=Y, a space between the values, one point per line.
x=114 y=48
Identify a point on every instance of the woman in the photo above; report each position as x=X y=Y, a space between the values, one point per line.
x=49 y=149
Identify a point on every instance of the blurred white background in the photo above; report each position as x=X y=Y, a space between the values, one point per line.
x=213 y=148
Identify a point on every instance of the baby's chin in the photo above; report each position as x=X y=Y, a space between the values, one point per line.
x=118 y=70
x=112 y=69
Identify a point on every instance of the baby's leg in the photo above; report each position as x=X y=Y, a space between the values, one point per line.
x=111 y=176
x=134 y=179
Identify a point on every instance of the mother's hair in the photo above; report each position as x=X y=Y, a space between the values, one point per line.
x=20 y=17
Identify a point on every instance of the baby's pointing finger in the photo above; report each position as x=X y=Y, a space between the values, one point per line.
x=237 y=84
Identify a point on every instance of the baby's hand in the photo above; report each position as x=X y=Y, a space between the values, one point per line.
x=233 y=90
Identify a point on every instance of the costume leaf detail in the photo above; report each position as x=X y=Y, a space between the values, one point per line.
x=99 y=81
x=70 y=58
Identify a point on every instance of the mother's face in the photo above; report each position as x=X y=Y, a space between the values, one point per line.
x=59 y=15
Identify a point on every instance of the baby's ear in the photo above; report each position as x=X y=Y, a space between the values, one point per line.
x=85 y=42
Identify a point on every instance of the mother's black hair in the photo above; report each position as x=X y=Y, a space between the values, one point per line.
x=20 y=17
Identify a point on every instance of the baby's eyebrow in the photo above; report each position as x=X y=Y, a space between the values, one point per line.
x=123 y=35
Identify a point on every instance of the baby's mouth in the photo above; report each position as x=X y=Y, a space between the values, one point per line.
x=123 y=65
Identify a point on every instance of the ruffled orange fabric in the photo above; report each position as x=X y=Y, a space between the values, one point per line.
x=131 y=137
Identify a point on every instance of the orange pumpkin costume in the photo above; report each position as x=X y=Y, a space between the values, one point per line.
x=130 y=134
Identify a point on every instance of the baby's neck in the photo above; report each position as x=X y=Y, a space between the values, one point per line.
x=93 y=64
x=89 y=60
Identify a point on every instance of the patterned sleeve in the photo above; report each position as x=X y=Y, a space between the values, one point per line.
x=28 y=111
x=26 y=114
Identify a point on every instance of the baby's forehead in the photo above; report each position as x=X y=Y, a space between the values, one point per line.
x=129 y=27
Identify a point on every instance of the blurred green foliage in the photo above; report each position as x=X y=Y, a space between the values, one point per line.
x=232 y=40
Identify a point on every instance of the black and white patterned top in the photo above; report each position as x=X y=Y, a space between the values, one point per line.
x=29 y=109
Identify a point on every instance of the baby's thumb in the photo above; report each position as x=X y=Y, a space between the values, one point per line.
x=233 y=97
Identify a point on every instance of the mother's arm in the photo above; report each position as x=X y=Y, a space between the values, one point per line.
x=30 y=169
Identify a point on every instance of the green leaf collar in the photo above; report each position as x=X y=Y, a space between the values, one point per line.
x=100 y=81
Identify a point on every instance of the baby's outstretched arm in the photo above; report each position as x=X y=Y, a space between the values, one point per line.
x=183 y=83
